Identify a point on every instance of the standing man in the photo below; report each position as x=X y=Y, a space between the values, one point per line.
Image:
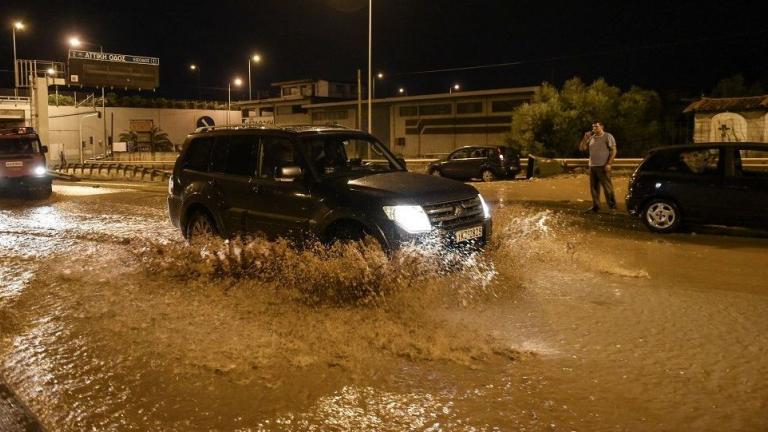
x=602 y=151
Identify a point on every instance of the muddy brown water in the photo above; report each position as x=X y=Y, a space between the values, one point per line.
x=568 y=322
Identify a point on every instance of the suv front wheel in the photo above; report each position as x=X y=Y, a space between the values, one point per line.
x=200 y=226
x=661 y=216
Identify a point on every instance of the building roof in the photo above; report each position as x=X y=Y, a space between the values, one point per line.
x=752 y=103
x=307 y=81
x=522 y=91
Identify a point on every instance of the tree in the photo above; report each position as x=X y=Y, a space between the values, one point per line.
x=156 y=139
x=554 y=122
x=159 y=140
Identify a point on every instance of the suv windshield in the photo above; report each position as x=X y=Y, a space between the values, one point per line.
x=15 y=146
x=339 y=155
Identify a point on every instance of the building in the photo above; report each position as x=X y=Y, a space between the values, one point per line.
x=288 y=108
x=412 y=126
x=730 y=119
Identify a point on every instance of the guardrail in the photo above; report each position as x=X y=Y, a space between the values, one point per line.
x=161 y=170
x=112 y=169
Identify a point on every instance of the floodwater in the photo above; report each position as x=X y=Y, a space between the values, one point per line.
x=573 y=322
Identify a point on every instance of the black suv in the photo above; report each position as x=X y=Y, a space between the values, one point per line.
x=712 y=183
x=483 y=162
x=303 y=182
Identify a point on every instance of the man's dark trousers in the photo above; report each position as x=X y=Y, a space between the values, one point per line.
x=599 y=177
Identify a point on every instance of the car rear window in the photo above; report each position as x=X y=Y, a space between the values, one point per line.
x=690 y=161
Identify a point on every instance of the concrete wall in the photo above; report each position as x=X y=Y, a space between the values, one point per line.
x=64 y=131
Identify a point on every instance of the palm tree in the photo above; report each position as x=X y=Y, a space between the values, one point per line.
x=158 y=140
x=130 y=137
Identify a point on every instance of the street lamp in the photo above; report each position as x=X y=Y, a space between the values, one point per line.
x=401 y=91
x=196 y=70
x=454 y=88
x=237 y=82
x=252 y=59
x=18 y=25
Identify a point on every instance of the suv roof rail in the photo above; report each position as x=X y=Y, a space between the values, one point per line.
x=265 y=125
x=235 y=127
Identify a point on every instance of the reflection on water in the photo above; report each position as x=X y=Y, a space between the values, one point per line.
x=110 y=322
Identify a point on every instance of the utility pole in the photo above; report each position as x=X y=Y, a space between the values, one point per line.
x=359 y=99
x=370 y=73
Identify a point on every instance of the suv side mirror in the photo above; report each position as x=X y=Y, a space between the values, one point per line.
x=290 y=173
x=44 y=149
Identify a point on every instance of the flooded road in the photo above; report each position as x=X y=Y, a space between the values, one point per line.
x=108 y=321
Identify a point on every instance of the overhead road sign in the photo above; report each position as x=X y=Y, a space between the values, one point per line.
x=101 y=69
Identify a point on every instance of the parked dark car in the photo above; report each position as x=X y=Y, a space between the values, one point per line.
x=484 y=162
x=701 y=184
x=303 y=182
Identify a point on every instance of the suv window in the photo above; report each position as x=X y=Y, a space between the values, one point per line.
x=199 y=154
x=751 y=169
x=334 y=155
x=241 y=154
x=276 y=153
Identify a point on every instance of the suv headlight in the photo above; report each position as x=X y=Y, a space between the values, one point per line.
x=170 y=185
x=486 y=210
x=40 y=170
x=413 y=219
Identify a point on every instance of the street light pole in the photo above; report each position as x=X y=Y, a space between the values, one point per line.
x=238 y=82
x=196 y=69
x=17 y=25
x=255 y=59
x=370 y=72
x=75 y=42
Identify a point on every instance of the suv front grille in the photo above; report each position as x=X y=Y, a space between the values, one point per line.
x=457 y=214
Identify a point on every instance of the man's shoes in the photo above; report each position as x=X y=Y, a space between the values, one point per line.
x=592 y=209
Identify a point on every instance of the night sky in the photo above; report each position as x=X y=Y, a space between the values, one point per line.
x=681 y=46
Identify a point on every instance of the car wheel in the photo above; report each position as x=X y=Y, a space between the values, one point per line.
x=488 y=176
x=435 y=172
x=200 y=227
x=661 y=216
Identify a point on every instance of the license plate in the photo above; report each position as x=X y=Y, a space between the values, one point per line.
x=14 y=164
x=469 y=233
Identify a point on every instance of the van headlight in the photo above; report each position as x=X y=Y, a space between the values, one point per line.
x=486 y=210
x=40 y=171
x=413 y=219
